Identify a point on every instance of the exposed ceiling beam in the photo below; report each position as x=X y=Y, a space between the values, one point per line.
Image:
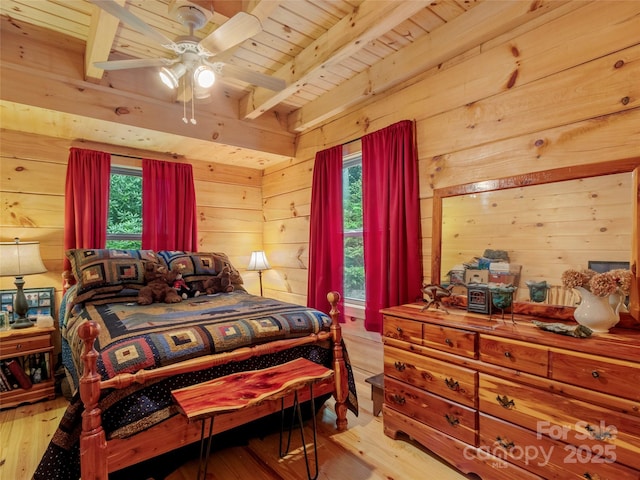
x=343 y=40
x=102 y=32
x=35 y=72
x=489 y=20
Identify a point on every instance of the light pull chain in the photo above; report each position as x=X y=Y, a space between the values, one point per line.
x=193 y=103
x=184 y=105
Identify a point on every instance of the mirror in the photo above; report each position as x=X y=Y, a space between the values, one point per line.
x=546 y=222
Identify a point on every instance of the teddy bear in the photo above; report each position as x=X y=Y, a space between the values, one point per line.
x=157 y=287
x=181 y=286
x=219 y=283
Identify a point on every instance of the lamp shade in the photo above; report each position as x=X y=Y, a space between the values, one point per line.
x=258 y=261
x=204 y=77
x=170 y=76
x=20 y=258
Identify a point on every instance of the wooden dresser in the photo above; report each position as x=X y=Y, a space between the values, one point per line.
x=509 y=401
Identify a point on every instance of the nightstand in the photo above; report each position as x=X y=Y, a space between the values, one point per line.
x=31 y=348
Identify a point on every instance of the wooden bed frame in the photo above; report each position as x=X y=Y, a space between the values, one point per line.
x=99 y=457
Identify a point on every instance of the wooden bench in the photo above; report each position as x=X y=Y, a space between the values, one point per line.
x=242 y=390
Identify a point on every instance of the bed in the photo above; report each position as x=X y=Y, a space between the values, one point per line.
x=123 y=359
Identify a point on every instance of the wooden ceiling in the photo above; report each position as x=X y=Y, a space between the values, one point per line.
x=333 y=55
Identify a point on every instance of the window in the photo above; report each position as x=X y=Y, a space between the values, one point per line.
x=352 y=228
x=124 y=228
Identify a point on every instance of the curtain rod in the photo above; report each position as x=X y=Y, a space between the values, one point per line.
x=135 y=157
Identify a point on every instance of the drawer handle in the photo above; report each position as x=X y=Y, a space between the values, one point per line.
x=506 y=444
x=595 y=374
x=399 y=399
x=399 y=330
x=448 y=342
x=595 y=434
x=19 y=346
x=507 y=354
x=505 y=402
x=452 y=384
x=400 y=366
x=453 y=421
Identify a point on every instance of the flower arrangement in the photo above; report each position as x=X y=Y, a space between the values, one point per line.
x=600 y=284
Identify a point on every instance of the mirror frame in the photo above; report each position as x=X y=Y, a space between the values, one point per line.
x=626 y=165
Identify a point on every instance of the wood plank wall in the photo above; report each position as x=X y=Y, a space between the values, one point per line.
x=33 y=172
x=558 y=91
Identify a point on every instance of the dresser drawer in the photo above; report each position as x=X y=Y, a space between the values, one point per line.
x=452 y=340
x=568 y=419
x=20 y=346
x=446 y=416
x=521 y=356
x=548 y=457
x=449 y=381
x=615 y=377
x=401 y=329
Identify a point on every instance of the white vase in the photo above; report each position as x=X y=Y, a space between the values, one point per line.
x=595 y=312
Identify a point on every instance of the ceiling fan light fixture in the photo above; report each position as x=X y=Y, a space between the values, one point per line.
x=170 y=76
x=204 y=76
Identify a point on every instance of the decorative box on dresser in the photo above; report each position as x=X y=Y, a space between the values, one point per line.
x=22 y=344
x=510 y=401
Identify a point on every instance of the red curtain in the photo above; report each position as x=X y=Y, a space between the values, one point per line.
x=326 y=262
x=391 y=220
x=169 y=215
x=86 y=200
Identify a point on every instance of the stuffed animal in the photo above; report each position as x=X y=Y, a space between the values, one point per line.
x=219 y=283
x=181 y=286
x=157 y=285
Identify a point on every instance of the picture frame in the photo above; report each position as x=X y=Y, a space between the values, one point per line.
x=41 y=301
x=602 y=266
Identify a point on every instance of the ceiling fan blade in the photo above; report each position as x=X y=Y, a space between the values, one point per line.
x=130 y=19
x=249 y=76
x=134 y=63
x=232 y=32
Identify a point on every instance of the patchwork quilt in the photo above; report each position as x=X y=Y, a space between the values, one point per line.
x=134 y=337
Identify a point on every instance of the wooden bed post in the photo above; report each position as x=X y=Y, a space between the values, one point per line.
x=339 y=366
x=93 y=442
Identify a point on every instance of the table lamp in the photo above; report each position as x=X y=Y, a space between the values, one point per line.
x=258 y=262
x=16 y=260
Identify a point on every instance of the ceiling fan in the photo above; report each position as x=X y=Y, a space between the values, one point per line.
x=195 y=58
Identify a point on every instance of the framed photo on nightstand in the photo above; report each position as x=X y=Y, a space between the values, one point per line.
x=40 y=300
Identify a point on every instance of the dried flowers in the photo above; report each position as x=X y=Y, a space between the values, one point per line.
x=576 y=278
x=600 y=284
x=623 y=279
x=603 y=284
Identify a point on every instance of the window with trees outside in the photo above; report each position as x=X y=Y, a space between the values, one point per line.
x=124 y=228
x=352 y=228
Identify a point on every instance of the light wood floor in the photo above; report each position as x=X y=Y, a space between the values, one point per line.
x=362 y=452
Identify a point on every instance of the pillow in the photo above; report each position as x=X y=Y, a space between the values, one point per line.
x=105 y=272
x=199 y=266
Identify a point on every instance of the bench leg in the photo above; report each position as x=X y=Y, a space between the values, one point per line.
x=205 y=458
x=298 y=411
